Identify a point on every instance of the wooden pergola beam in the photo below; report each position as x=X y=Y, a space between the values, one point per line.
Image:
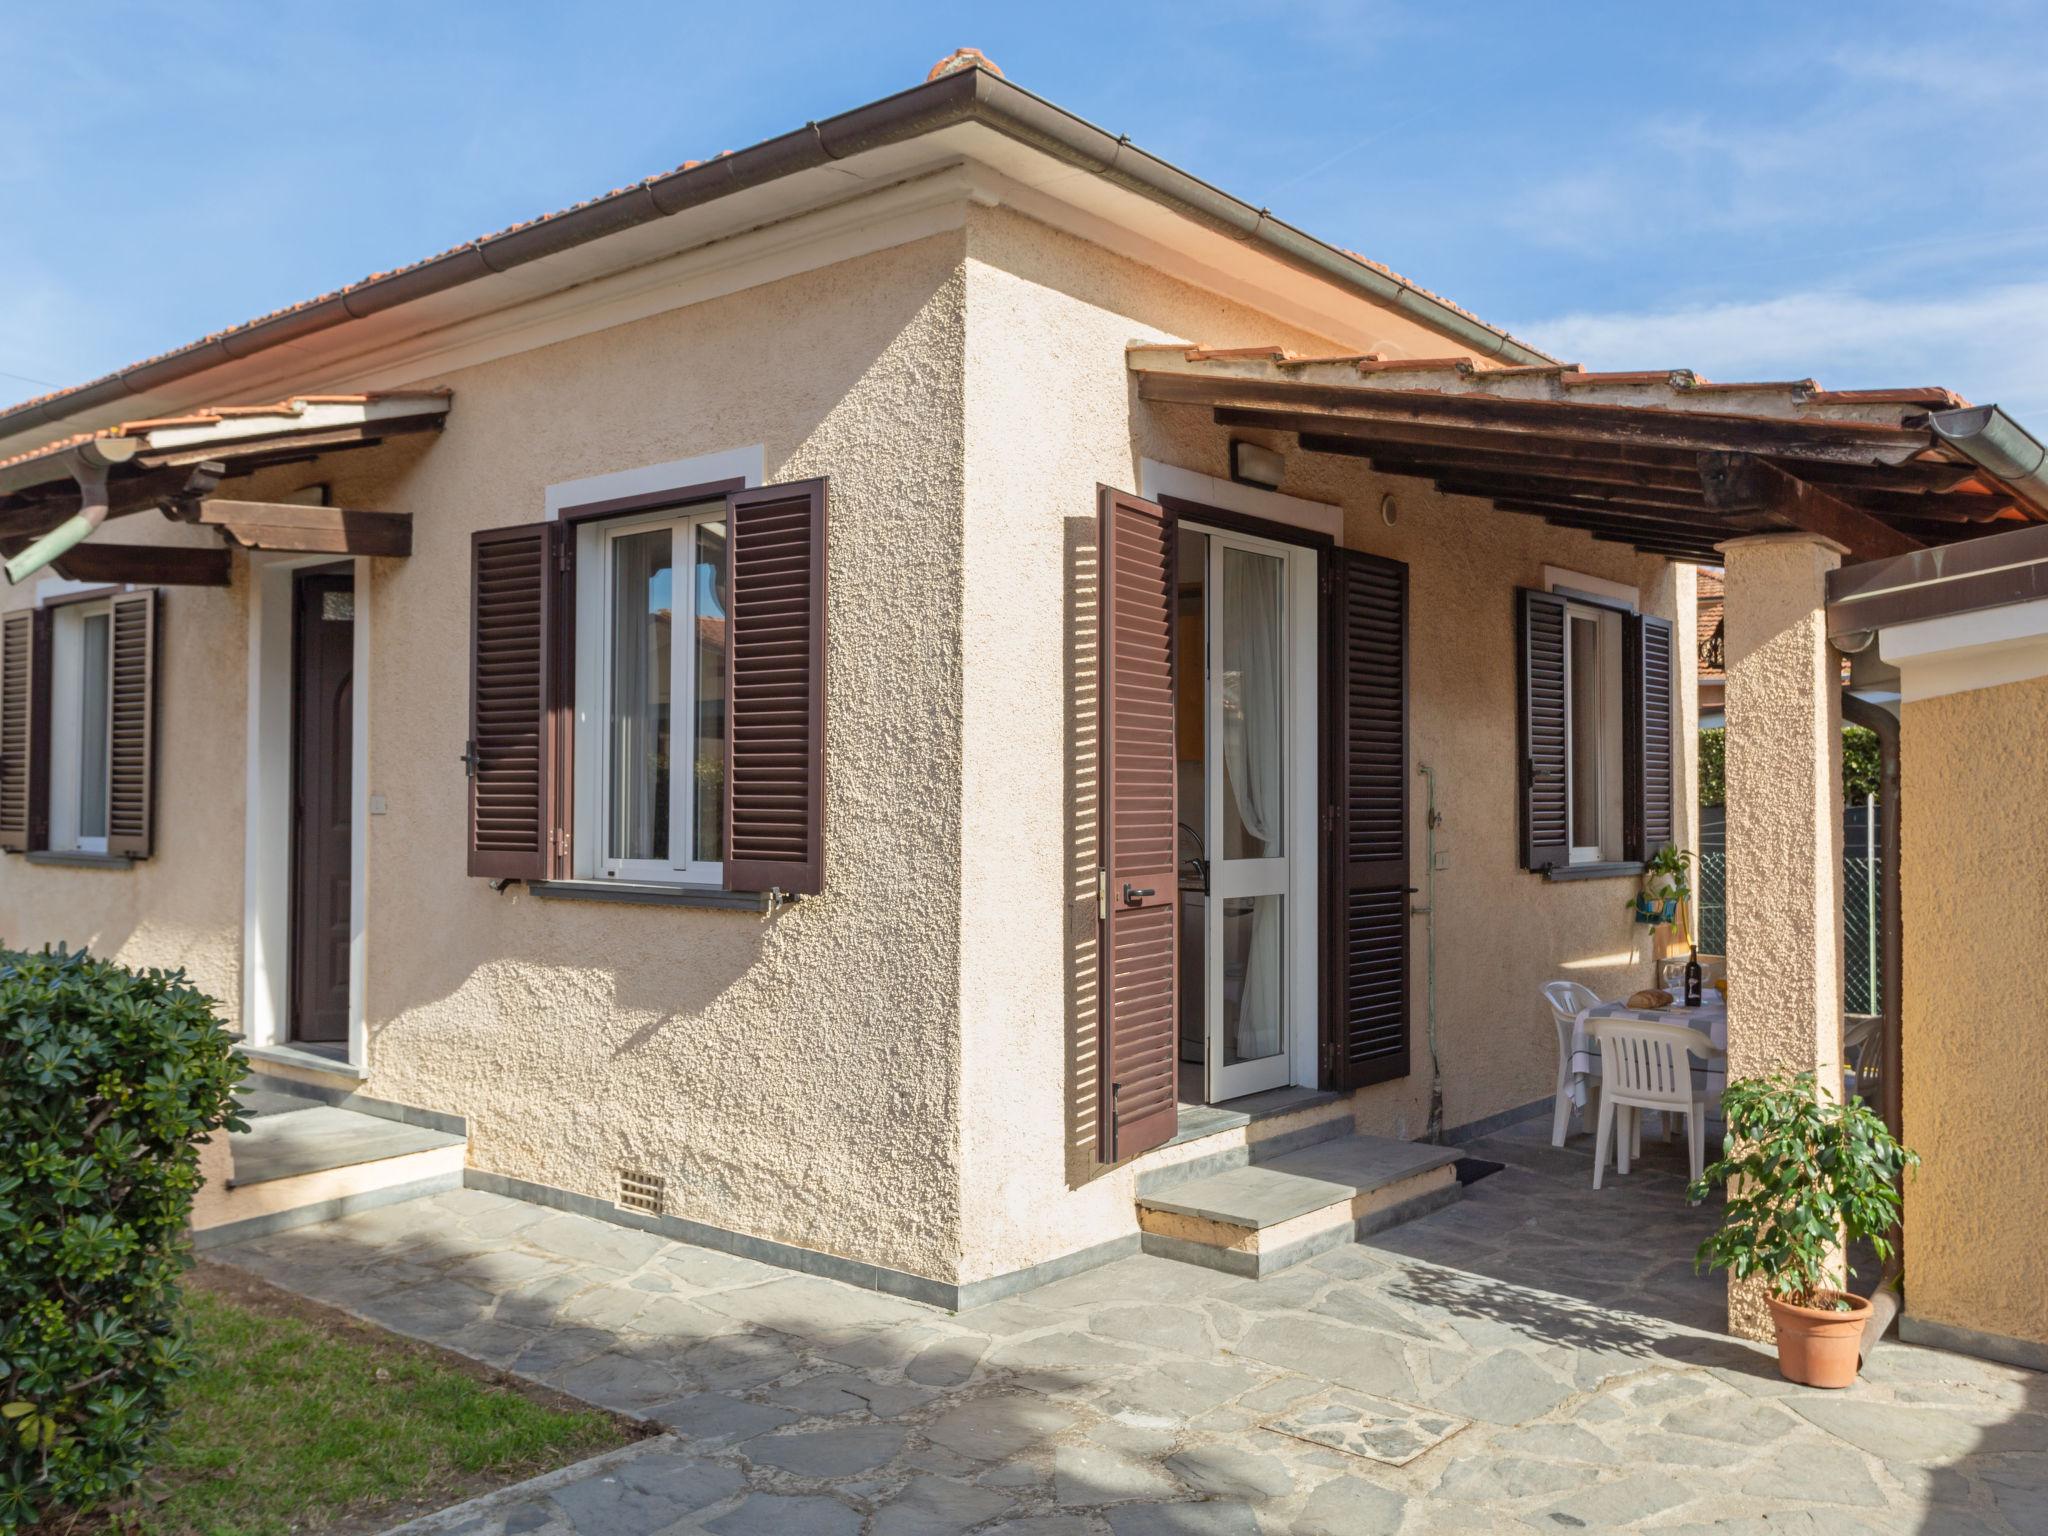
x=146 y=565
x=286 y=527
x=136 y=493
x=1756 y=496
x=1355 y=411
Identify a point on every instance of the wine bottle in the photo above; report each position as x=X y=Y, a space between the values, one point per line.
x=1692 y=979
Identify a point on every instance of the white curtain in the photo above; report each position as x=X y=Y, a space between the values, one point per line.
x=1254 y=679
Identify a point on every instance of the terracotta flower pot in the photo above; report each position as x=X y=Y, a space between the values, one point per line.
x=1816 y=1347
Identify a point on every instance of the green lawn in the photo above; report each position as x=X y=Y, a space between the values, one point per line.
x=303 y=1424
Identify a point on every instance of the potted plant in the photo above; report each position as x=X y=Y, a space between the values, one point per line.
x=1667 y=885
x=1806 y=1175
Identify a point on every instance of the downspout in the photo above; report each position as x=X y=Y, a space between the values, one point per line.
x=1883 y=724
x=88 y=464
x=1427 y=912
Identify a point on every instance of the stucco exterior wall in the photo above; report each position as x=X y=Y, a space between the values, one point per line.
x=182 y=908
x=1974 y=802
x=794 y=1078
x=1050 y=413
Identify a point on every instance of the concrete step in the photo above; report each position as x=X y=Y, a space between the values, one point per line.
x=302 y=1161
x=1215 y=1139
x=1259 y=1219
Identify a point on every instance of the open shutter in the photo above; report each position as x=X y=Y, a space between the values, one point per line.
x=24 y=729
x=1370 y=966
x=131 y=725
x=515 y=789
x=1546 y=829
x=1138 y=1046
x=1648 y=685
x=775 y=689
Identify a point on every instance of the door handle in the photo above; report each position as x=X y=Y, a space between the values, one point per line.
x=1133 y=896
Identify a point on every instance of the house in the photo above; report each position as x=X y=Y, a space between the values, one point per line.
x=1712 y=679
x=888 y=699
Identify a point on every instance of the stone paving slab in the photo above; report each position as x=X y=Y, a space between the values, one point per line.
x=1562 y=1330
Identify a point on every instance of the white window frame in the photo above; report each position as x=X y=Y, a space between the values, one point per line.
x=594 y=617
x=67 y=721
x=1610 y=759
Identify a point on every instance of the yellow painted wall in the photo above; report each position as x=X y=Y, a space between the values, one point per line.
x=1974 y=798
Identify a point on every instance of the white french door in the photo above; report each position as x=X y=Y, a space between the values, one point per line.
x=1258 y=817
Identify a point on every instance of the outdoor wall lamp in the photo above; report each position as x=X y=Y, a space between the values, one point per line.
x=1252 y=465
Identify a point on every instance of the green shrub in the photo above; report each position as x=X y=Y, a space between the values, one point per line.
x=108 y=1079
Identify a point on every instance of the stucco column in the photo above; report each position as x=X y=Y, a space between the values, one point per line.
x=1784 y=775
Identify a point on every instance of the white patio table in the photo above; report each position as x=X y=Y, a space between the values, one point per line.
x=1710 y=1019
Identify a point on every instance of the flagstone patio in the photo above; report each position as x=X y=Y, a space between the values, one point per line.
x=1535 y=1357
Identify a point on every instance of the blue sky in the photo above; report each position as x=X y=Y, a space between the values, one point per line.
x=1752 y=190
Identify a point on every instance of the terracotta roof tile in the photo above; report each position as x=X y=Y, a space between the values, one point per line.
x=963 y=58
x=208 y=415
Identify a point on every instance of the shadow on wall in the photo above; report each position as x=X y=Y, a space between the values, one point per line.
x=1083 y=788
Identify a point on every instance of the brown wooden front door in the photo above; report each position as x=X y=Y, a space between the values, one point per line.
x=323 y=666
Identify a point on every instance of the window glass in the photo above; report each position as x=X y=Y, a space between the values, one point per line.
x=708 y=814
x=94 y=660
x=643 y=605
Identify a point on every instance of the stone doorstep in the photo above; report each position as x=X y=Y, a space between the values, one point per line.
x=1259 y=1219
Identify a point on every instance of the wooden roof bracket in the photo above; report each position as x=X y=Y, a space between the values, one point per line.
x=1754 y=495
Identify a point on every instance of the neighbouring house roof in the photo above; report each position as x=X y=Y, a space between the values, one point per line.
x=1643 y=458
x=1712 y=664
x=965 y=87
x=146 y=459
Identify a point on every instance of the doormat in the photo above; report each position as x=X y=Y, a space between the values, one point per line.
x=1471 y=1170
x=1373 y=1428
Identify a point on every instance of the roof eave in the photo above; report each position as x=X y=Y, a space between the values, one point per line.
x=965 y=96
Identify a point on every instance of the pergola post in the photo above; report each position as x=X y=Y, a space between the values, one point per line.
x=1784 y=795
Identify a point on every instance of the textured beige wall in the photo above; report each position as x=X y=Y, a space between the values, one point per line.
x=1051 y=414
x=182 y=908
x=794 y=1078
x=1784 y=772
x=1975 y=1075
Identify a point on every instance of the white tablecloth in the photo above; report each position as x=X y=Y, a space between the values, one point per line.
x=1710 y=1019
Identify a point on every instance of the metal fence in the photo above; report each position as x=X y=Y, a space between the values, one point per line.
x=1859 y=898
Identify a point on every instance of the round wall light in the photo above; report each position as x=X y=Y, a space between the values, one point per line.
x=1390 y=510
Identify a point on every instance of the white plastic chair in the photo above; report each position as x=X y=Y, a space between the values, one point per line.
x=1567 y=1000
x=1647 y=1066
x=1863 y=1046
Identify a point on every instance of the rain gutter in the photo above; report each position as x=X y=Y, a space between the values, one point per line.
x=1998 y=445
x=967 y=96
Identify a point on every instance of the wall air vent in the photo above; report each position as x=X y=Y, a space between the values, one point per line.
x=639 y=1191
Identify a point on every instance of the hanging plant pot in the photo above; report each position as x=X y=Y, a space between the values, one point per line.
x=1652 y=911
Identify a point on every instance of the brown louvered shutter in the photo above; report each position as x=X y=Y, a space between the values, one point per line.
x=775 y=689
x=515 y=788
x=1647 y=677
x=131 y=724
x=1369 y=657
x=1138 y=1047
x=1545 y=823
x=24 y=730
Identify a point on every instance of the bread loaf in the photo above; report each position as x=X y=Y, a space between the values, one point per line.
x=1650 y=999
